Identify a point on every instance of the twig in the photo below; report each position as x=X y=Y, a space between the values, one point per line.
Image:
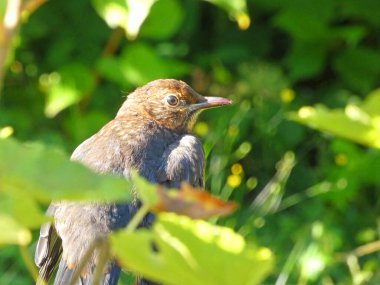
x=85 y=259
x=8 y=29
x=137 y=218
x=360 y=251
x=102 y=259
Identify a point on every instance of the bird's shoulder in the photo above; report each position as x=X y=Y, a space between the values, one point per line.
x=106 y=151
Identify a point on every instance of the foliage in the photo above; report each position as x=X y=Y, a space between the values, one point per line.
x=310 y=197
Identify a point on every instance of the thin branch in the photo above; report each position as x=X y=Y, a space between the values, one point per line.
x=85 y=259
x=103 y=257
x=9 y=26
x=7 y=31
x=360 y=251
x=137 y=218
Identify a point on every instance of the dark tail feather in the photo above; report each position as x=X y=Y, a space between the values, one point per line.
x=64 y=275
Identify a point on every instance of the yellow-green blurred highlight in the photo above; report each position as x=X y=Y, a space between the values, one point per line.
x=6 y=132
x=287 y=95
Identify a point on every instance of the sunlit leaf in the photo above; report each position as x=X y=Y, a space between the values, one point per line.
x=237 y=9
x=358 y=123
x=66 y=87
x=128 y=14
x=191 y=252
x=12 y=232
x=22 y=208
x=193 y=203
x=48 y=174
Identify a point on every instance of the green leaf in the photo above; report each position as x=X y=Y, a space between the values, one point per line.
x=128 y=14
x=358 y=123
x=164 y=20
x=47 y=174
x=139 y=64
x=66 y=87
x=359 y=68
x=22 y=208
x=306 y=20
x=237 y=9
x=306 y=59
x=12 y=232
x=191 y=252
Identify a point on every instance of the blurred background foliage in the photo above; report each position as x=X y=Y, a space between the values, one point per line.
x=312 y=197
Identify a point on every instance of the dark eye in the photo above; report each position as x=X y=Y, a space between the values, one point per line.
x=172 y=100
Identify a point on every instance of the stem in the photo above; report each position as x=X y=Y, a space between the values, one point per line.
x=7 y=30
x=28 y=261
x=103 y=257
x=137 y=218
x=85 y=259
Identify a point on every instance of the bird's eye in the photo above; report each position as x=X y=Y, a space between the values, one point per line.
x=172 y=100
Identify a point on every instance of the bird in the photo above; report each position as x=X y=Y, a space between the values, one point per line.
x=151 y=134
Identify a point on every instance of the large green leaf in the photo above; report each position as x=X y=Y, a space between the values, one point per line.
x=48 y=174
x=359 y=123
x=22 y=208
x=12 y=232
x=191 y=252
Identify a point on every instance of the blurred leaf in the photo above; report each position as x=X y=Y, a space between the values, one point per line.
x=191 y=252
x=192 y=202
x=164 y=20
x=22 y=208
x=306 y=20
x=48 y=174
x=237 y=9
x=359 y=68
x=128 y=14
x=351 y=34
x=306 y=59
x=371 y=105
x=66 y=87
x=140 y=64
x=359 y=123
x=12 y=232
x=110 y=68
x=365 y=9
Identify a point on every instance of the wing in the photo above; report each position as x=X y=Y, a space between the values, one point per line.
x=103 y=151
x=91 y=153
x=48 y=250
x=183 y=161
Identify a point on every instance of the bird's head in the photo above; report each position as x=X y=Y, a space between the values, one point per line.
x=169 y=102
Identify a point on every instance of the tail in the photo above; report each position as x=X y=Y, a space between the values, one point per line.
x=65 y=274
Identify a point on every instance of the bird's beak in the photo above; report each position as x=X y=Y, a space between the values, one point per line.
x=210 y=102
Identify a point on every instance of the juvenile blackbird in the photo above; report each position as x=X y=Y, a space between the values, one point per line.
x=151 y=134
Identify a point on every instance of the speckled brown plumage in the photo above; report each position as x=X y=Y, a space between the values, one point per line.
x=151 y=134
